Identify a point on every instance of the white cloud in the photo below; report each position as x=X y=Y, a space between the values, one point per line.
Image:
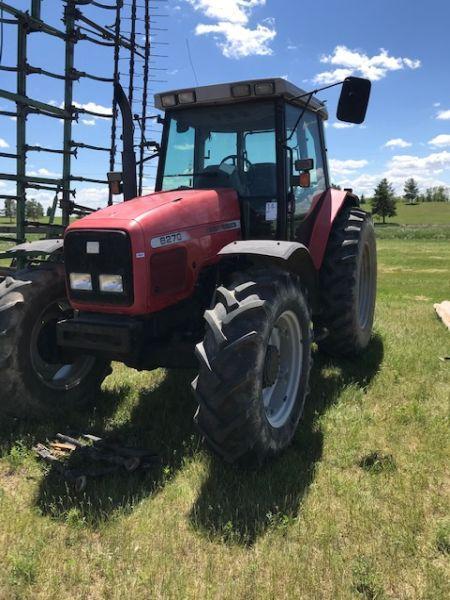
x=349 y=62
x=436 y=104
x=3 y=143
x=44 y=173
x=443 y=115
x=89 y=122
x=233 y=11
x=95 y=197
x=184 y=147
x=404 y=162
x=94 y=107
x=342 y=125
x=343 y=167
x=397 y=143
x=441 y=140
x=231 y=30
x=424 y=169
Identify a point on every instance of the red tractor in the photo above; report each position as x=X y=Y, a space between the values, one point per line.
x=240 y=260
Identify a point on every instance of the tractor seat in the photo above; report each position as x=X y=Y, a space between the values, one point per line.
x=215 y=176
x=262 y=179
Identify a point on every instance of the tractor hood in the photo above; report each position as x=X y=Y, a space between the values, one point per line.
x=149 y=234
x=141 y=207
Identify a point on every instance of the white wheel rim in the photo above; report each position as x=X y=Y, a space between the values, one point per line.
x=279 y=396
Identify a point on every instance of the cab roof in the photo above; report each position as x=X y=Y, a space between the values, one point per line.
x=237 y=91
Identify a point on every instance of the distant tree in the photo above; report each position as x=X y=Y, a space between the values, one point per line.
x=34 y=209
x=49 y=211
x=10 y=209
x=383 y=201
x=440 y=194
x=335 y=186
x=411 y=191
x=362 y=199
x=428 y=195
x=437 y=194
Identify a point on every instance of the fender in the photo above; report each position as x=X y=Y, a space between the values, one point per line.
x=290 y=256
x=34 y=249
x=332 y=203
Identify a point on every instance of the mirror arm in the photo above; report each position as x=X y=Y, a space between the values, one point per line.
x=316 y=91
x=307 y=103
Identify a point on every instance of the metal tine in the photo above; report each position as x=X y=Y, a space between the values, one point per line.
x=70 y=440
x=123 y=450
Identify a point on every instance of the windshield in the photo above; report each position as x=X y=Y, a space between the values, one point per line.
x=223 y=146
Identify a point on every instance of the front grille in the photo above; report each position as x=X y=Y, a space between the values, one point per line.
x=113 y=258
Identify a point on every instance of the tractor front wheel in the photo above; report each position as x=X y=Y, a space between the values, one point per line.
x=255 y=362
x=36 y=377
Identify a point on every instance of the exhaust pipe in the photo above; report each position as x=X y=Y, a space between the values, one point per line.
x=128 y=154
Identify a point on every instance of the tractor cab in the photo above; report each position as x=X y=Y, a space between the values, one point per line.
x=255 y=137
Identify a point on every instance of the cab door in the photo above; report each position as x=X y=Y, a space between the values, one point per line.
x=306 y=142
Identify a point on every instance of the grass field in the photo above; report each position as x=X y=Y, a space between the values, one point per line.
x=358 y=507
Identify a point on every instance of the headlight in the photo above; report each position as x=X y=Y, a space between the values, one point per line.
x=81 y=281
x=111 y=283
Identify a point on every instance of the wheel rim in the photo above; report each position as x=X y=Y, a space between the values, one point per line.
x=282 y=369
x=44 y=352
x=365 y=288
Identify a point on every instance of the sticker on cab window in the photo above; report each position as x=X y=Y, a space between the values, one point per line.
x=271 y=211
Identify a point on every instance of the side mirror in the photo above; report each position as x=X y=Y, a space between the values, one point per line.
x=304 y=164
x=354 y=100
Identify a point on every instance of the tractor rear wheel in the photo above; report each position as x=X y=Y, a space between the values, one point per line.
x=35 y=377
x=348 y=280
x=254 y=370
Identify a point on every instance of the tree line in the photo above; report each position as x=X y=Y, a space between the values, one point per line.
x=33 y=209
x=384 y=200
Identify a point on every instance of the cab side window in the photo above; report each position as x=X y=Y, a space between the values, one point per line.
x=305 y=143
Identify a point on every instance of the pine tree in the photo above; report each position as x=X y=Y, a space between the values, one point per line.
x=383 y=201
x=410 y=191
x=362 y=200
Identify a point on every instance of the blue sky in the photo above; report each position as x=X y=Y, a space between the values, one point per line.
x=402 y=45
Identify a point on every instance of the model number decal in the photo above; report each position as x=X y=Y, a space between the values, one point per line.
x=169 y=238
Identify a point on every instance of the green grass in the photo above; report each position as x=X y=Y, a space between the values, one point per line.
x=357 y=507
x=427 y=220
x=424 y=213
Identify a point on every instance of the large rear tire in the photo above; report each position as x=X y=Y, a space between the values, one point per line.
x=35 y=378
x=348 y=280
x=254 y=370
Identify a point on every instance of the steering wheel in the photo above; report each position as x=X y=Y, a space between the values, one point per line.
x=234 y=158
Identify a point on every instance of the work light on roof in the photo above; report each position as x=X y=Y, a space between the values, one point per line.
x=241 y=90
x=168 y=100
x=264 y=88
x=186 y=97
